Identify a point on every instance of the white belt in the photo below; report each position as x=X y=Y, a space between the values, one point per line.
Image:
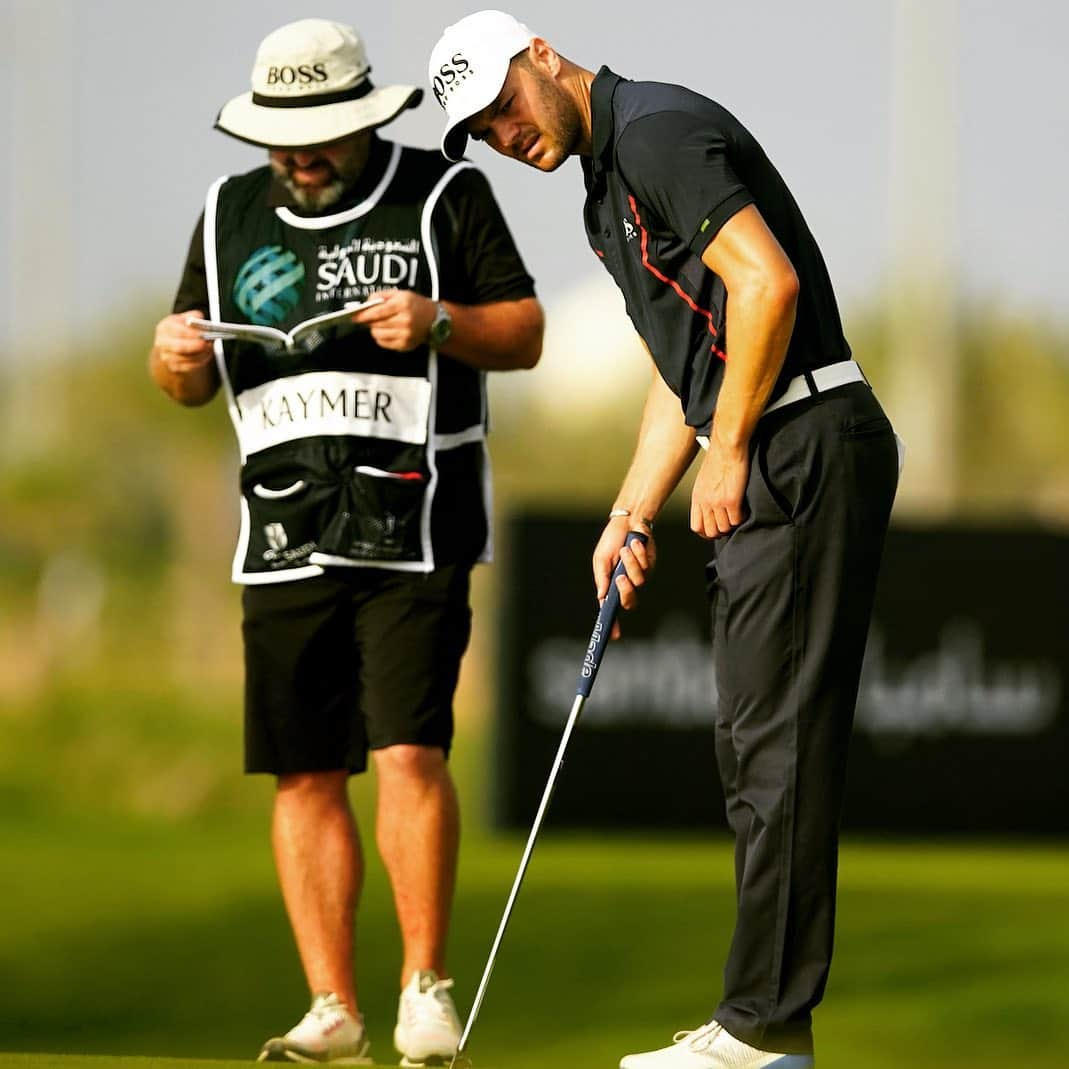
x=824 y=378
x=798 y=389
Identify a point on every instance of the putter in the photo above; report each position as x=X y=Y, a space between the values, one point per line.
x=587 y=674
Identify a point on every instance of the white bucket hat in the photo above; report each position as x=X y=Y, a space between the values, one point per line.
x=469 y=66
x=310 y=86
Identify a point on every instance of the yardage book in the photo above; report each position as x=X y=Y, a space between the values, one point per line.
x=305 y=335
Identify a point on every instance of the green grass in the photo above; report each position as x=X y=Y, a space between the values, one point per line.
x=168 y=940
x=103 y=1061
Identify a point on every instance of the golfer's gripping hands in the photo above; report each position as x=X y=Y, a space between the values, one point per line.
x=638 y=559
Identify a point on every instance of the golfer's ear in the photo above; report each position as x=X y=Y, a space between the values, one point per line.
x=542 y=55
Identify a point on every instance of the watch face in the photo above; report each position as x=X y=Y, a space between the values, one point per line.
x=442 y=326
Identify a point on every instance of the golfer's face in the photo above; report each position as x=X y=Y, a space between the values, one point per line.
x=525 y=121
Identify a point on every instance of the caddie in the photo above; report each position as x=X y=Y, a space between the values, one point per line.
x=364 y=492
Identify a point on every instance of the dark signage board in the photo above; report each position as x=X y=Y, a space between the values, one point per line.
x=962 y=721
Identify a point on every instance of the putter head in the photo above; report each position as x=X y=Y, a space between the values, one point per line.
x=460 y=1061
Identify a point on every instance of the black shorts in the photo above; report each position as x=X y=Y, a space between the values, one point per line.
x=348 y=661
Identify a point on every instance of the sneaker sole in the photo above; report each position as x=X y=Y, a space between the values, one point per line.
x=787 y=1061
x=292 y=1056
x=434 y=1058
x=281 y=1053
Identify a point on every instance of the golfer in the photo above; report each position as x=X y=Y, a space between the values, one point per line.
x=726 y=285
x=364 y=493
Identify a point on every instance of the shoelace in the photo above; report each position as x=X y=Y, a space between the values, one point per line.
x=325 y=1008
x=699 y=1039
x=433 y=1000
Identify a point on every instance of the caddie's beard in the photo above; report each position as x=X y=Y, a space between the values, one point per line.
x=316 y=198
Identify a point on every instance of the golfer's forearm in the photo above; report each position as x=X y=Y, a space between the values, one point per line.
x=762 y=291
x=759 y=324
x=502 y=336
x=196 y=386
x=665 y=449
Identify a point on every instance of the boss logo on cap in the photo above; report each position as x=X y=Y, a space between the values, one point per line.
x=450 y=75
x=305 y=74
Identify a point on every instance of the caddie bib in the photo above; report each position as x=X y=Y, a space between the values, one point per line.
x=339 y=439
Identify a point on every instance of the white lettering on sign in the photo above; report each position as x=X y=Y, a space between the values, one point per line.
x=334 y=402
x=955 y=688
x=667 y=679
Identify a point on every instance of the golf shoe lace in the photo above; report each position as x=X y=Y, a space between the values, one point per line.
x=429 y=999
x=325 y=1008
x=438 y=992
x=699 y=1039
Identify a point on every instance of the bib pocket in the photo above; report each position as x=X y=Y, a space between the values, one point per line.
x=381 y=515
x=286 y=513
x=270 y=494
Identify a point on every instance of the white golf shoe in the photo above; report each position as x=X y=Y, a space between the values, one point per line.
x=710 y=1047
x=327 y=1034
x=428 y=1028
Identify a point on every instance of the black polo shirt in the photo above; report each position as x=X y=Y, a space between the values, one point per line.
x=669 y=168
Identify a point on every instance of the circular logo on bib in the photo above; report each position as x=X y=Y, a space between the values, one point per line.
x=269 y=285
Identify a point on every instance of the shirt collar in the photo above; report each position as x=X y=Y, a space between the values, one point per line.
x=278 y=196
x=601 y=123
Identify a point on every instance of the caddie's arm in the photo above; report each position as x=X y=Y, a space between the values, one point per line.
x=663 y=452
x=498 y=336
x=181 y=362
x=762 y=292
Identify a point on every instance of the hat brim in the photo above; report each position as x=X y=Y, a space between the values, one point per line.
x=311 y=125
x=455 y=141
x=455 y=138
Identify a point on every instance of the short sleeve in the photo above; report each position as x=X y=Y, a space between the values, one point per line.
x=481 y=264
x=677 y=164
x=193 y=289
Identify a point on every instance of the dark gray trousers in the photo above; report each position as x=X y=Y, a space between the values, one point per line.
x=792 y=591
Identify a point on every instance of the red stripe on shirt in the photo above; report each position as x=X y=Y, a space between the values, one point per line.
x=671 y=282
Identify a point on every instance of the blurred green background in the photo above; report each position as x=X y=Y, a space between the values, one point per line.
x=139 y=904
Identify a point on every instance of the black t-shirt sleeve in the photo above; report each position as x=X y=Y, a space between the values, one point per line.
x=677 y=164
x=480 y=261
x=193 y=289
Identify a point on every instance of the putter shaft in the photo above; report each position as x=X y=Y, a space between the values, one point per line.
x=547 y=794
x=591 y=663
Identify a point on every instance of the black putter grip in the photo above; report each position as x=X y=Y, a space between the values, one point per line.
x=599 y=638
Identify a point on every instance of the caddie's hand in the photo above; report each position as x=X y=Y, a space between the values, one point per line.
x=401 y=322
x=181 y=348
x=717 y=503
x=638 y=560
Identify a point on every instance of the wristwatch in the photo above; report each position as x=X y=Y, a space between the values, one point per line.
x=441 y=327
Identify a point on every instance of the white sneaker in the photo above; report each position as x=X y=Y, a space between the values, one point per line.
x=428 y=1028
x=327 y=1033
x=710 y=1047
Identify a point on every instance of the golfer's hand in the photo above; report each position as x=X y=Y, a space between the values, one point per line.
x=638 y=560
x=401 y=322
x=181 y=348
x=717 y=501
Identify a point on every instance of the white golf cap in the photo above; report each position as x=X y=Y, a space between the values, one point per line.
x=310 y=86
x=468 y=67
